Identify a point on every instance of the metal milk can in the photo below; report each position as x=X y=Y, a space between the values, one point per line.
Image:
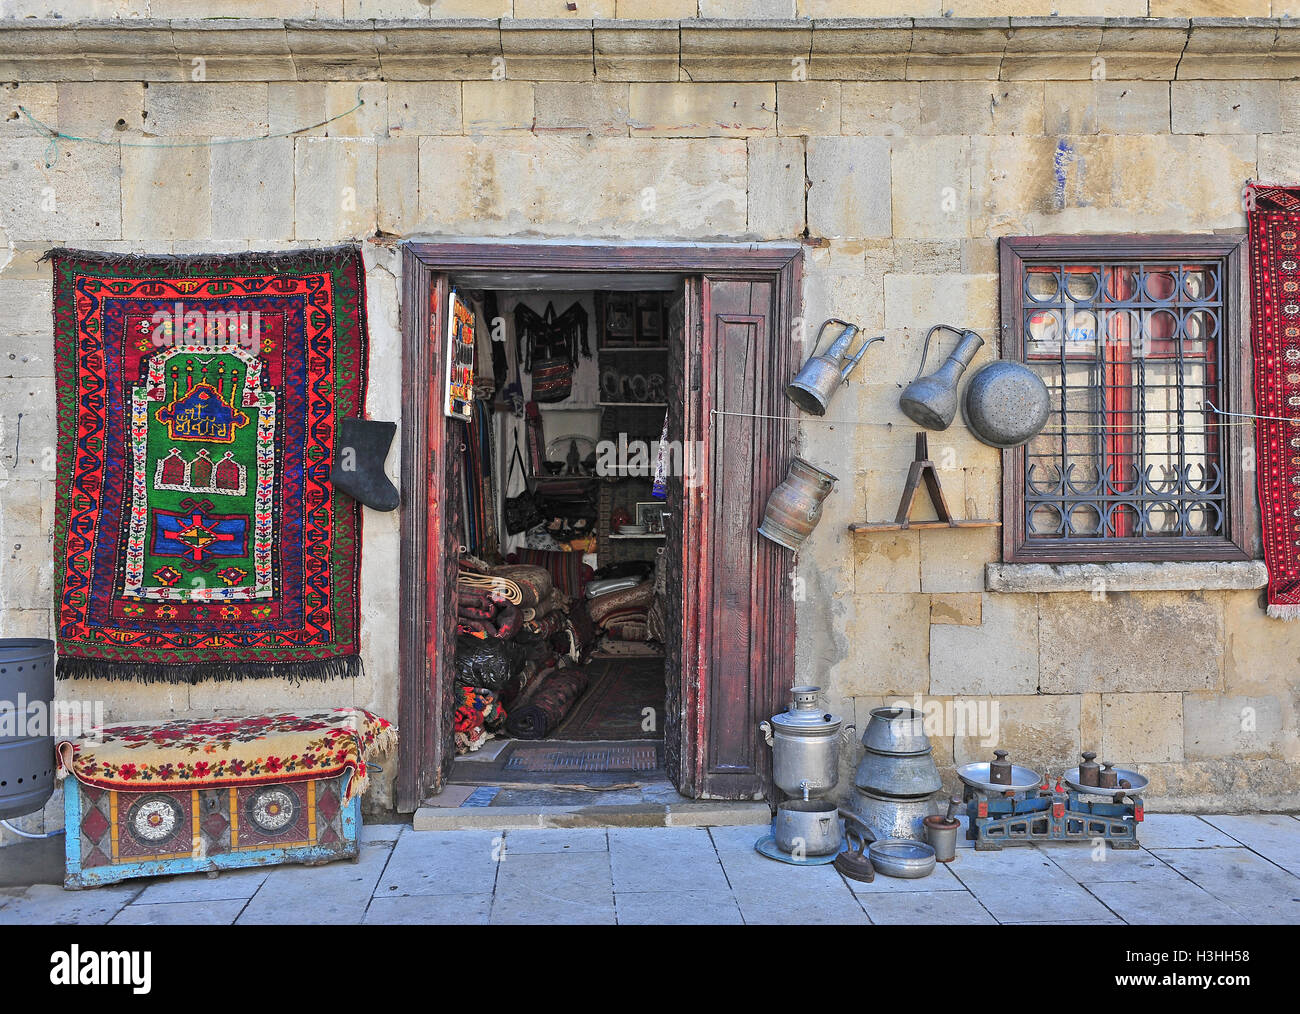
x=805 y=742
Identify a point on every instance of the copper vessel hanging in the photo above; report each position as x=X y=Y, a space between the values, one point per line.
x=795 y=506
x=821 y=376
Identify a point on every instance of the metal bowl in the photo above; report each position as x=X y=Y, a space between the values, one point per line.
x=896 y=730
x=977 y=776
x=1136 y=782
x=902 y=857
x=1005 y=404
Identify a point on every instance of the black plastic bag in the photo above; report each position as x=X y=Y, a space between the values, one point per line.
x=483 y=663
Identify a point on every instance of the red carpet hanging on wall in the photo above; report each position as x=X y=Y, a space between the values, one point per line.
x=196 y=534
x=1274 y=237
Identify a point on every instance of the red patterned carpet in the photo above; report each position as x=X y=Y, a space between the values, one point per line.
x=615 y=704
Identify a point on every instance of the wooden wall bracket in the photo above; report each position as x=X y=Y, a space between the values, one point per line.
x=922 y=468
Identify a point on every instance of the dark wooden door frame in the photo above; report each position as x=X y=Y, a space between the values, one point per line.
x=426 y=621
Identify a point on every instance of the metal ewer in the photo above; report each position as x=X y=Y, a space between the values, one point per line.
x=821 y=376
x=932 y=401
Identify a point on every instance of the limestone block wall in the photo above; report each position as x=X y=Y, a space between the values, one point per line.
x=360 y=10
x=898 y=154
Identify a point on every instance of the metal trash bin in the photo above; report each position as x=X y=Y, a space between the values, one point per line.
x=27 y=763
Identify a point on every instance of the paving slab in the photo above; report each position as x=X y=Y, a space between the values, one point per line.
x=445 y=862
x=1180 y=831
x=1090 y=865
x=771 y=892
x=231 y=885
x=336 y=894
x=574 y=888
x=430 y=910
x=452 y=795
x=1274 y=836
x=372 y=834
x=1255 y=888
x=932 y=908
x=569 y=839
x=190 y=913
x=678 y=908
x=1161 y=904
x=47 y=905
x=738 y=837
x=1021 y=883
x=38 y=861
x=664 y=859
x=942 y=879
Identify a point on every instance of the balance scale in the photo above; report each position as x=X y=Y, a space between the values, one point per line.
x=1027 y=810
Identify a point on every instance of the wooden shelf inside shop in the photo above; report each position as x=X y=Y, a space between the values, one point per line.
x=648 y=535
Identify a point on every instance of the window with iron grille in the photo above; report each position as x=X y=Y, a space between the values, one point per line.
x=1138 y=339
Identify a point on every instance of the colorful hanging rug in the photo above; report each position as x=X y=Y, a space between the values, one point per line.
x=213 y=752
x=1274 y=237
x=197 y=534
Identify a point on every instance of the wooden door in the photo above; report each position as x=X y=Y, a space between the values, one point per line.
x=739 y=648
x=431 y=547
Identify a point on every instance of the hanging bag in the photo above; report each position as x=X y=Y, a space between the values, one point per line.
x=523 y=511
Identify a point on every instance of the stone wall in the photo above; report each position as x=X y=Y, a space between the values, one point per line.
x=356 y=10
x=899 y=185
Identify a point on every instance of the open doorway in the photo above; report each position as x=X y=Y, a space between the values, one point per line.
x=723 y=319
x=563 y=597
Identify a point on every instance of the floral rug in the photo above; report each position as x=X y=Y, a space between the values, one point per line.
x=214 y=752
x=197 y=534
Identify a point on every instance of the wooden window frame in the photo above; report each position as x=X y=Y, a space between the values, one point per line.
x=1234 y=544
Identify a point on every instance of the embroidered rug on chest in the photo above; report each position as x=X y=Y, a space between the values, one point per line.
x=197 y=534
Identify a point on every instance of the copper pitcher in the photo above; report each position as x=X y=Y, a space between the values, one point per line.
x=795 y=506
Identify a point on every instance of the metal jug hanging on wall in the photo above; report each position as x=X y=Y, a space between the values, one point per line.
x=932 y=401
x=821 y=376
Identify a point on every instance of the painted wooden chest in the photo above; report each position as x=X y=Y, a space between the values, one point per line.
x=115 y=835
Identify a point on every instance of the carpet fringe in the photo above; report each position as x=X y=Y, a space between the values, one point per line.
x=1283 y=612
x=239 y=260
x=342 y=667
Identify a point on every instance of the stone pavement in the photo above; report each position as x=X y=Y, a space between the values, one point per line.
x=1223 y=869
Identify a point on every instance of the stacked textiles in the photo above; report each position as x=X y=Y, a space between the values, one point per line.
x=548 y=702
x=478 y=717
x=622 y=613
x=512 y=622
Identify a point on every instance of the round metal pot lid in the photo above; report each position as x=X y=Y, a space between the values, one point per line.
x=817 y=723
x=1005 y=404
x=806 y=717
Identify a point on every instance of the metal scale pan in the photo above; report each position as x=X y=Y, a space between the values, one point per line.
x=1022 y=779
x=1136 y=782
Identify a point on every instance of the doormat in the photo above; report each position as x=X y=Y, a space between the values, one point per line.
x=1274 y=219
x=572 y=757
x=625 y=701
x=197 y=534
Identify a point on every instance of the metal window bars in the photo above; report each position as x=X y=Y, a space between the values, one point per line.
x=1131 y=352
